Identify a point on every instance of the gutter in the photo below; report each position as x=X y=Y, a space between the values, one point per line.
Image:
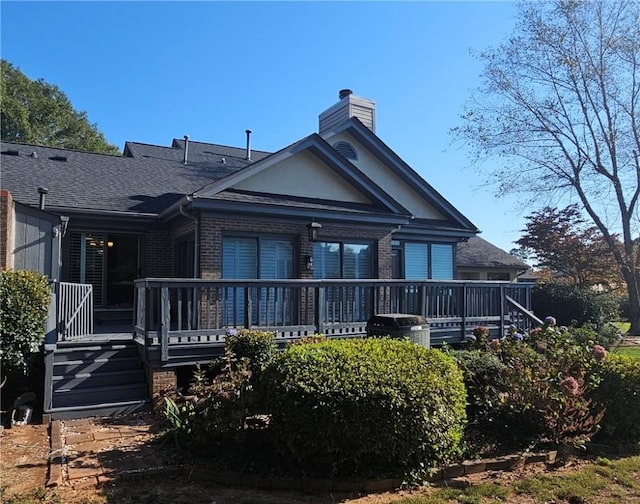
x=196 y=234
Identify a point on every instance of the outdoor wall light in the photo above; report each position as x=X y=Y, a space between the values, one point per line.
x=309 y=260
x=314 y=229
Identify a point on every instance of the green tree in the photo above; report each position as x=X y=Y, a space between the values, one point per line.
x=560 y=105
x=561 y=241
x=35 y=112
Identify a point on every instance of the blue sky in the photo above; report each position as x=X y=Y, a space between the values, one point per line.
x=151 y=71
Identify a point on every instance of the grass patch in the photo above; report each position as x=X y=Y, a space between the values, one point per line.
x=615 y=481
x=632 y=352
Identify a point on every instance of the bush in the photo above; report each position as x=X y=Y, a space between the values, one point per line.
x=366 y=407
x=482 y=372
x=24 y=306
x=221 y=399
x=541 y=389
x=573 y=306
x=619 y=394
x=258 y=347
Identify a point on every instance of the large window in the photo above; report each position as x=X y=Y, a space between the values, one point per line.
x=252 y=258
x=342 y=260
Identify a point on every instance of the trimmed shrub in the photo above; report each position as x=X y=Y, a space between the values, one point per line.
x=619 y=394
x=573 y=306
x=366 y=407
x=24 y=306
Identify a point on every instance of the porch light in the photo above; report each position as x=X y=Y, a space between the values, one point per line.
x=314 y=229
x=309 y=262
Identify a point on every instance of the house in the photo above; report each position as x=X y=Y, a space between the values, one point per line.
x=477 y=259
x=314 y=236
x=196 y=209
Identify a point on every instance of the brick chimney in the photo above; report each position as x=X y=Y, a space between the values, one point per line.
x=349 y=106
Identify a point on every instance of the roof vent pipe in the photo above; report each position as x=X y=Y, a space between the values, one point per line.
x=186 y=149
x=43 y=191
x=248 y=156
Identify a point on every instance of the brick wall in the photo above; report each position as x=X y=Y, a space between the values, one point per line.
x=213 y=229
x=159 y=254
x=160 y=383
x=6 y=230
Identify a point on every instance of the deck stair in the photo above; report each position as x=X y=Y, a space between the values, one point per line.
x=98 y=378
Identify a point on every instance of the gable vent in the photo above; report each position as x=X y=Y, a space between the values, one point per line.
x=346 y=150
x=58 y=158
x=11 y=152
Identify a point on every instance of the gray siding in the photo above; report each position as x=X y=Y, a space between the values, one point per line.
x=351 y=106
x=36 y=241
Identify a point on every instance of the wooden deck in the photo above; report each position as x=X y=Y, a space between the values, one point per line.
x=180 y=321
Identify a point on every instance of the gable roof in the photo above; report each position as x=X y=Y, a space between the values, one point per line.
x=373 y=143
x=315 y=144
x=479 y=253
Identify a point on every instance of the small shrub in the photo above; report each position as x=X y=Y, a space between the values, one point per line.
x=367 y=407
x=482 y=373
x=619 y=394
x=24 y=305
x=258 y=347
x=214 y=410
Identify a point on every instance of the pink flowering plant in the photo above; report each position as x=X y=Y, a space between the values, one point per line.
x=550 y=375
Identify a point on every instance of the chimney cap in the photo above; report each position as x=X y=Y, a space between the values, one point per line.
x=344 y=93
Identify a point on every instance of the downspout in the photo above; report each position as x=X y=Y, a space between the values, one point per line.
x=196 y=235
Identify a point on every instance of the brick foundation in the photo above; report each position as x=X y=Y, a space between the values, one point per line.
x=161 y=382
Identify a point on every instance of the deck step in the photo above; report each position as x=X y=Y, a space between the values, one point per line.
x=99 y=395
x=96 y=365
x=89 y=352
x=101 y=379
x=97 y=377
x=99 y=410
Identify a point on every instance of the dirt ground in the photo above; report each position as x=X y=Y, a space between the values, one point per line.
x=23 y=469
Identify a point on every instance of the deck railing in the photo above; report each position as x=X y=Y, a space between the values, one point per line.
x=172 y=313
x=75 y=310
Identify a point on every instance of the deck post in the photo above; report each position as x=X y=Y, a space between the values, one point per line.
x=247 y=307
x=463 y=309
x=320 y=295
x=503 y=302
x=165 y=320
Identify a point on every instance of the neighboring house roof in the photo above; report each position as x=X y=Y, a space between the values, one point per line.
x=479 y=253
x=99 y=182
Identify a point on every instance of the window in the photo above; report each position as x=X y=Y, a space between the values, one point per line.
x=424 y=261
x=441 y=261
x=251 y=258
x=342 y=260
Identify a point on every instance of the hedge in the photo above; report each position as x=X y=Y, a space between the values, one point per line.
x=366 y=407
x=619 y=393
